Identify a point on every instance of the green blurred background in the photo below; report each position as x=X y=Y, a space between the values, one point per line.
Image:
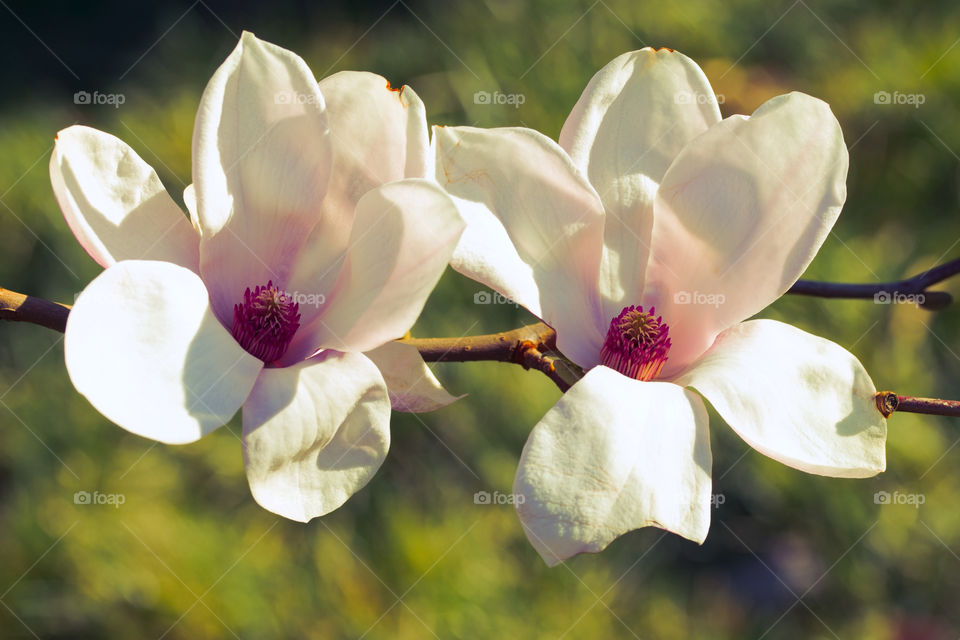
x=189 y=554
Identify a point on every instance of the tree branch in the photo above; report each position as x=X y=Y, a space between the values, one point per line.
x=889 y=402
x=535 y=346
x=17 y=307
x=531 y=346
x=913 y=289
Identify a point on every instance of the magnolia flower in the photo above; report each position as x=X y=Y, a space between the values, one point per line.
x=308 y=247
x=646 y=239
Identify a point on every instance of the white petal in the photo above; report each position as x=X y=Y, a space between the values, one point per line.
x=144 y=347
x=114 y=202
x=377 y=136
x=190 y=200
x=632 y=120
x=552 y=217
x=413 y=387
x=615 y=454
x=404 y=235
x=261 y=166
x=739 y=216
x=315 y=433
x=794 y=397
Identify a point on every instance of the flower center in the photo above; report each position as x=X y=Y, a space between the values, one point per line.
x=637 y=343
x=265 y=322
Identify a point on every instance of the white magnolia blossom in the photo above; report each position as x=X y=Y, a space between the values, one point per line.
x=315 y=241
x=646 y=239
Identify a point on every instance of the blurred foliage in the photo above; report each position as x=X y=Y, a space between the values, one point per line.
x=189 y=554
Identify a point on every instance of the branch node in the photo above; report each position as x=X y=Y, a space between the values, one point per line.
x=887 y=402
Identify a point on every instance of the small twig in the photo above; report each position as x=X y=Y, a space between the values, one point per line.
x=886 y=292
x=890 y=401
x=21 y=308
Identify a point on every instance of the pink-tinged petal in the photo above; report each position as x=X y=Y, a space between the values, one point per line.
x=315 y=433
x=377 y=135
x=114 y=202
x=412 y=385
x=552 y=218
x=261 y=163
x=739 y=216
x=794 y=397
x=615 y=454
x=404 y=235
x=633 y=119
x=144 y=347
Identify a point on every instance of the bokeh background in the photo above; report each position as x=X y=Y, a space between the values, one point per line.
x=189 y=554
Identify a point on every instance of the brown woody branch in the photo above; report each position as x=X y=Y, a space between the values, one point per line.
x=21 y=308
x=889 y=401
x=885 y=292
x=532 y=346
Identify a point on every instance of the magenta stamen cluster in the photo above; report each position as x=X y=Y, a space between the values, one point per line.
x=265 y=322
x=637 y=343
